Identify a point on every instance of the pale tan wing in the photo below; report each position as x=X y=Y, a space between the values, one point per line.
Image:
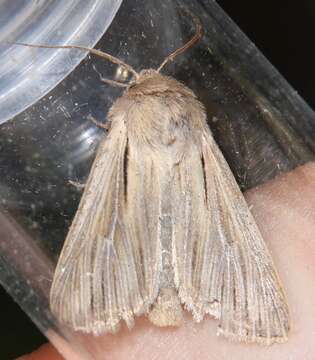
x=109 y=265
x=222 y=264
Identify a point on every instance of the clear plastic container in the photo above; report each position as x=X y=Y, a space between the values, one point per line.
x=261 y=124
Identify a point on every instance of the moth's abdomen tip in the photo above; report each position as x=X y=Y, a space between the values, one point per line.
x=167 y=310
x=162 y=318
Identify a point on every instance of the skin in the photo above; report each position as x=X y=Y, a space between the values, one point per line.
x=285 y=212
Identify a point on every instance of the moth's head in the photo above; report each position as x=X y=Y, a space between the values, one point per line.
x=147 y=82
x=145 y=76
x=152 y=82
x=147 y=73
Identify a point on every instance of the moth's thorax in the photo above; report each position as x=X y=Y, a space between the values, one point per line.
x=160 y=112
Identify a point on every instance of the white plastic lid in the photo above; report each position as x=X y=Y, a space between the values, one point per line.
x=27 y=74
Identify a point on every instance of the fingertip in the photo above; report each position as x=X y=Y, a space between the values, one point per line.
x=45 y=352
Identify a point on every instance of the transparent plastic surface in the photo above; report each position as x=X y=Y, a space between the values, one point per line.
x=261 y=124
x=26 y=75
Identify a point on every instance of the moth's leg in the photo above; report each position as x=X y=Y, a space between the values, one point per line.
x=113 y=82
x=77 y=185
x=98 y=123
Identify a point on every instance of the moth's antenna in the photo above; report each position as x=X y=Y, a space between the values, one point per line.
x=92 y=51
x=190 y=43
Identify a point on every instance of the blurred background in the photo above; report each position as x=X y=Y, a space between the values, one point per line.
x=283 y=31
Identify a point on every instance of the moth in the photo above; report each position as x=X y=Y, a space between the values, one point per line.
x=162 y=224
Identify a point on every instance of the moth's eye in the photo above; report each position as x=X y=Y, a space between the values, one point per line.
x=122 y=74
